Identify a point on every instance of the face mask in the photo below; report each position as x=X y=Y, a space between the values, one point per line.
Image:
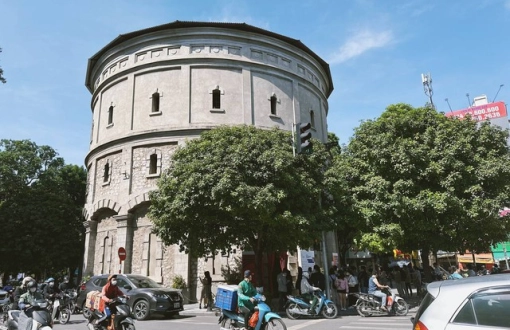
x=51 y=284
x=33 y=289
x=114 y=282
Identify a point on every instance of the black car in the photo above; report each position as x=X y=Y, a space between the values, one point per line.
x=146 y=297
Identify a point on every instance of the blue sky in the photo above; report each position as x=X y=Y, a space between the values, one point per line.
x=377 y=51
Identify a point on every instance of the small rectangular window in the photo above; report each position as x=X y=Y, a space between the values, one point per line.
x=110 y=115
x=274 y=101
x=155 y=102
x=153 y=166
x=216 y=102
x=106 y=175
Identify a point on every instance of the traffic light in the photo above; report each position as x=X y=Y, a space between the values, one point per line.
x=303 y=138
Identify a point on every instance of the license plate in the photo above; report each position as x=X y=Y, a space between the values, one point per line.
x=177 y=305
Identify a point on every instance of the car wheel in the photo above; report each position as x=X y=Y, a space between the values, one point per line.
x=141 y=310
x=85 y=311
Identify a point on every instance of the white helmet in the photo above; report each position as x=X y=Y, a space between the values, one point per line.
x=26 y=280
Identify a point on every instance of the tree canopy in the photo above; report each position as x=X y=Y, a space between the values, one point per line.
x=420 y=180
x=41 y=200
x=241 y=186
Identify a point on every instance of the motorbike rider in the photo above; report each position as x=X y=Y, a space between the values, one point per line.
x=50 y=290
x=307 y=291
x=245 y=293
x=108 y=294
x=20 y=291
x=374 y=288
x=64 y=286
x=29 y=297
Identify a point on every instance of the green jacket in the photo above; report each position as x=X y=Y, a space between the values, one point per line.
x=245 y=291
x=29 y=297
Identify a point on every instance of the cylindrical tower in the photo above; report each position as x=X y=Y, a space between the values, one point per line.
x=151 y=90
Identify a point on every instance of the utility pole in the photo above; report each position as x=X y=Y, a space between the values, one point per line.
x=426 y=80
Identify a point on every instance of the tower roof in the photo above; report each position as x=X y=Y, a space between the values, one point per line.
x=191 y=24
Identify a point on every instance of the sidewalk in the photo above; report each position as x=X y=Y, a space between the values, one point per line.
x=193 y=310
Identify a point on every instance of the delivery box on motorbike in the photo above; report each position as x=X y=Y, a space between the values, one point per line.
x=94 y=301
x=226 y=297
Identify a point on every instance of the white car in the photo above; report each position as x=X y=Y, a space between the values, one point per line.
x=481 y=302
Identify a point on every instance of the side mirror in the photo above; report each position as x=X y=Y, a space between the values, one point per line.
x=127 y=287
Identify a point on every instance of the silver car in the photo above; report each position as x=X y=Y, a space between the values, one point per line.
x=481 y=302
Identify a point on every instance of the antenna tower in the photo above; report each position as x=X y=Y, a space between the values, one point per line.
x=426 y=80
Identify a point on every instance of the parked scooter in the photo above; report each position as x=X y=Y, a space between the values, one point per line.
x=121 y=320
x=370 y=305
x=36 y=314
x=266 y=319
x=297 y=307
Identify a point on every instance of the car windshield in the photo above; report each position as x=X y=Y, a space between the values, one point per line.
x=143 y=282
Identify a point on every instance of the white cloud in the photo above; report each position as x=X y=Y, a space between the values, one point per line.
x=361 y=42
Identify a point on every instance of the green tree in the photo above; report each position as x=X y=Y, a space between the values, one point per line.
x=241 y=186
x=420 y=180
x=40 y=208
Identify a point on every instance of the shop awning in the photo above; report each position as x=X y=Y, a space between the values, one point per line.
x=481 y=258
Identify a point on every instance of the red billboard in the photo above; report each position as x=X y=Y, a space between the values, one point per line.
x=482 y=112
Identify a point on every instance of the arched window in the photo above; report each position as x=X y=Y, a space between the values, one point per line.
x=312 y=118
x=216 y=99
x=106 y=175
x=153 y=164
x=155 y=102
x=274 y=101
x=110 y=115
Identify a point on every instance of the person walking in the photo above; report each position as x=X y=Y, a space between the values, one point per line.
x=206 y=294
x=317 y=279
x=298 y=280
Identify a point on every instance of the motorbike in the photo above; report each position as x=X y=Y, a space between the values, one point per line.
x=266 y=319
x=70 y=298
x=121 y=320
x=59 y=309
x=6 y=303
x=36 y=314
x=370 y=305
x=297 y=307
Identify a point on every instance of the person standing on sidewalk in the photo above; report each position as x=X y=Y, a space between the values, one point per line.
x=363 y=279
x=397 y=277
x=206 y=293
x=281 y=279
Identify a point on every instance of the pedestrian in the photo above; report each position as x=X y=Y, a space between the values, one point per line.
x=332 y=279
x=342 y=288
x=363 y=279
x=397 y=277
x=407 y=280
x=318 y=279
x=281 y=279
x=298 y=280
x=495 y=269
x=470 y=272
x=455 y=274
x=352 y=280
x=417 y=280
x=206 y=294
